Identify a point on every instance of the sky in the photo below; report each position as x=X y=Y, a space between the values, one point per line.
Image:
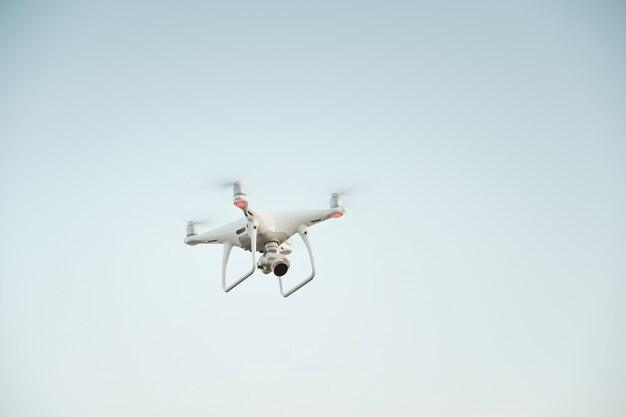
x=479 y=270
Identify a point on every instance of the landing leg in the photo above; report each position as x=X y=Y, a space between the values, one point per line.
x=305 y=237
x=252 y=227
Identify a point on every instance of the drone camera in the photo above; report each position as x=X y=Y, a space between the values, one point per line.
x=280 y=269
x=273 y=260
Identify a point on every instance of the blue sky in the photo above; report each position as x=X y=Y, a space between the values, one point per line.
x=479 y=270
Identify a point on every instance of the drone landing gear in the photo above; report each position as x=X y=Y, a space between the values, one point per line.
x=253 y=237
x=304 y=235
x=228 y=247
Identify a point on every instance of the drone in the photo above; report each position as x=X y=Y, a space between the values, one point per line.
x=267 y=232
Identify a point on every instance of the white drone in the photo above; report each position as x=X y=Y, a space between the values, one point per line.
x=269 y=230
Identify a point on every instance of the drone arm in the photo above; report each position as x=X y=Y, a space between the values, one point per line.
x=304 y=235
x=228 y=247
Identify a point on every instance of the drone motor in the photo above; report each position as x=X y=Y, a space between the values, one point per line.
x=240 y=199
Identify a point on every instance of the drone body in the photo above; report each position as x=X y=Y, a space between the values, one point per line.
x=267 y=232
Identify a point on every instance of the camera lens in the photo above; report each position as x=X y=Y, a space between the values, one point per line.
x=280 y=269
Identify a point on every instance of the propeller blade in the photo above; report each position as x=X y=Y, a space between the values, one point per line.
x=346 y=192
x=225 y=184
x=200 y=222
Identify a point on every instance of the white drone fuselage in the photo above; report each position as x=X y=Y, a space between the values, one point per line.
x=267 y=232
x=272 y=226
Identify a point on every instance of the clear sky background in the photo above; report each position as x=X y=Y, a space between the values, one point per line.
x=480 y=269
